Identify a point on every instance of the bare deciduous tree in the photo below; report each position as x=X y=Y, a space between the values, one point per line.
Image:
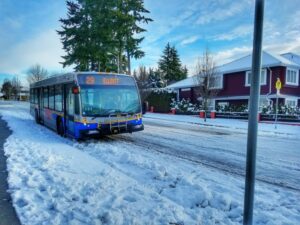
x=206 y=79
x=16 y=87
x=142 y=78
x=36 y=73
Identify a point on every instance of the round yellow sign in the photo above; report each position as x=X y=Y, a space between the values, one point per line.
x=278 y=84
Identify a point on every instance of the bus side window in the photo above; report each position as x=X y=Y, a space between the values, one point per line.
x=58 y=98
x=45 y=97
x=51 y=97
x=35 y=95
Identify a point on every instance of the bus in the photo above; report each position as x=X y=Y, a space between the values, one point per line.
x=87 y=103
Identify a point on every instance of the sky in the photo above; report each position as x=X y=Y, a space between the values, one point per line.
x=225 y=27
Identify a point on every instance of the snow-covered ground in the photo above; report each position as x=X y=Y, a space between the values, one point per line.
x=264 y=128
x=174 y=172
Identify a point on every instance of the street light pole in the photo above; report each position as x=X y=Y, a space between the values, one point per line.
x=253 y=113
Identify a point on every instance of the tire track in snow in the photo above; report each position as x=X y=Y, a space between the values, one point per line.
x=198 y=159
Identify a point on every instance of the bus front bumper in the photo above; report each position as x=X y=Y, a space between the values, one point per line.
x=108 y=130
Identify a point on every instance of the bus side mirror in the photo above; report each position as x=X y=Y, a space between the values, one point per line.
x=145 y=107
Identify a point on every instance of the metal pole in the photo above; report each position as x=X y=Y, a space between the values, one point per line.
x=276 y=113
x=253 y=113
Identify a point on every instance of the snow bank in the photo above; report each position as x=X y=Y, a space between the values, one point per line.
x=228 y=124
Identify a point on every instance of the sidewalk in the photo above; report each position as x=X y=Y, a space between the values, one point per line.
x=8 y=215
x=228 y=124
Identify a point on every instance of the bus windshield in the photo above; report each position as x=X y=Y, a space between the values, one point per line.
x=105 y=100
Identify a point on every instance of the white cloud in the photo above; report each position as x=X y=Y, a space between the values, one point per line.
x=45 y=49
x=223 y=11
x=238 y=32
x=229 y=55
x=190 y=40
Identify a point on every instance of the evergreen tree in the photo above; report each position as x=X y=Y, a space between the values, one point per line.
x=155 y=79
x=102 y=34
x=7 y=89
x=170 y=65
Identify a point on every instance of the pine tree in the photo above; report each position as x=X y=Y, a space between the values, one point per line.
x=129 y=15
x=102 y=34
x=170 y=65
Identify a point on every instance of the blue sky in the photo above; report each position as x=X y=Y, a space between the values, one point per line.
x=28 y=34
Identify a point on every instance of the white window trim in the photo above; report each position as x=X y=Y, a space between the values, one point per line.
x=297 y=77
x=219 y=87
x=261 y=84
x=291 y=100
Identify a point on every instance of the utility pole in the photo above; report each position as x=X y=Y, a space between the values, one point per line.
x=253 y=113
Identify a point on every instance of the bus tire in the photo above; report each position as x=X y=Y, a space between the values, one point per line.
x=60 y=127
x=36 y=117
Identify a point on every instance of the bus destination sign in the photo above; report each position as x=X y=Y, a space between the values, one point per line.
x=91 y=79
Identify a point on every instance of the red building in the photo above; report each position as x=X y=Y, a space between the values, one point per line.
x=234 y=81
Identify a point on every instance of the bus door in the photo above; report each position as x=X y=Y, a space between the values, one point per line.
x=69 y=109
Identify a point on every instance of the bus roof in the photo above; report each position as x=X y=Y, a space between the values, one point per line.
x=68 y=78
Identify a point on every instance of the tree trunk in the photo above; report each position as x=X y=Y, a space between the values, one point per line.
x=205 y=109
x=128 y=63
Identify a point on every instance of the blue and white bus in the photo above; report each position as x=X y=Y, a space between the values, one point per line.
x=85 y=103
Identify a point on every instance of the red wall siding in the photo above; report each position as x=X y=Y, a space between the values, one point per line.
x=234 y=85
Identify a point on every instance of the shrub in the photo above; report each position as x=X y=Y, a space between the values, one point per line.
x=160 y=99
x=185 y=106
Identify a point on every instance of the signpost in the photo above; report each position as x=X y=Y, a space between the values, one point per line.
x=253 y=110
x=278 y=87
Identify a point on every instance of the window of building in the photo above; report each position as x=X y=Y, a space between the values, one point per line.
x=216 y=82
x=51 y=97
x=223 y=104
x=291 y=102
x=58 y=98
x=292 y=77
x=45 y=97
x=263 y=78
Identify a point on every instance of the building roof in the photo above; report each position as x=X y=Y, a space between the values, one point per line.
x=292 y=57
x=244 y=64
x=268 y=60
x=186 y=83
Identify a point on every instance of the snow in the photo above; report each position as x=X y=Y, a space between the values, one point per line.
x=244 y=63
x=147 y=177
x=264 y=128
x=185 y=83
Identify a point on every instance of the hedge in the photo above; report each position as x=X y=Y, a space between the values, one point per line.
x=160 y=101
